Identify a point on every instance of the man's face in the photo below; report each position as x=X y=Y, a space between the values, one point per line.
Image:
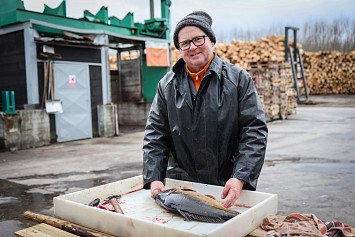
x=196 y=57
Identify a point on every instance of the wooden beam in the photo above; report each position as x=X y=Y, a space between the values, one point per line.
x=43 y=230
x=64 y=225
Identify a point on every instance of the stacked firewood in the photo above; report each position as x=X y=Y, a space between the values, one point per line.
x=330 y=72
x=244 y=54
x=275 y=88
x=265 y=61
x=327 y=72
x=113 y=62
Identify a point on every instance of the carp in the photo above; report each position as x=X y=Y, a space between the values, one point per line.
x=194 y=206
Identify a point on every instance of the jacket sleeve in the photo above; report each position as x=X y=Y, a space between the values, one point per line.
x=253 y=133
x=157 y=140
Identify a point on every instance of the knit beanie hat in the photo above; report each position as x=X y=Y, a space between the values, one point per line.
x=199 y=19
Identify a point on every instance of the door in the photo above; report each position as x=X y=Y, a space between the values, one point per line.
x=131 y=86
x=129 y=64
x=72 y=87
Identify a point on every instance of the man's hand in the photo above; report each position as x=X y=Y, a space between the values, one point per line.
x=155 y=188
x=231 y=191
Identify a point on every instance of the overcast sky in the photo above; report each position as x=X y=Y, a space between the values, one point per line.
x=228 y=15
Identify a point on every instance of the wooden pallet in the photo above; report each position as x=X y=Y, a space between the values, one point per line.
x=52 y=227
x=43 y=230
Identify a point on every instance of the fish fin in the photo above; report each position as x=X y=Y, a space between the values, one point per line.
x=187 y=189
x=207 y=219
x=230 y=215
x=211 y=196
x=186 y=215
x=211 y=219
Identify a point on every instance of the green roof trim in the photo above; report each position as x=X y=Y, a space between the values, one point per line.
x=61 y=10
x=101 y=16
x=7 y=11
x=13 y=11
x=127 y=21
x=22 y=16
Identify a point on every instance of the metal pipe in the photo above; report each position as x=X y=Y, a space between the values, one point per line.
x=151 y=8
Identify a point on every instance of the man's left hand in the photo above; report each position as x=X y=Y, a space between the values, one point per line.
x=231 y=191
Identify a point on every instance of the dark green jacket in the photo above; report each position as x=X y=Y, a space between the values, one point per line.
x=210 y=137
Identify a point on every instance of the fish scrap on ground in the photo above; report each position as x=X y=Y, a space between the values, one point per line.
x=194 y=206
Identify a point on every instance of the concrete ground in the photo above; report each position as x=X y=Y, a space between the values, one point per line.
x=310 y=164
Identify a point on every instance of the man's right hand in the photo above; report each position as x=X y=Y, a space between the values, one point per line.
x=156 y=187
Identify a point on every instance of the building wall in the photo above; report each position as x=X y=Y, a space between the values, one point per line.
x=108 y=123
x=133 y=113
x=26 y=129
x=151 y=77
x=72 y=53
x=12 y=66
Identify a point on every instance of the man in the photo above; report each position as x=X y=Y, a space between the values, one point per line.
x=206 y=116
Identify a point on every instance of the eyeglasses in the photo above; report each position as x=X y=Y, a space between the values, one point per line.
x=197 y=41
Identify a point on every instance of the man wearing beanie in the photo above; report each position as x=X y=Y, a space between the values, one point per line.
x=206 y=123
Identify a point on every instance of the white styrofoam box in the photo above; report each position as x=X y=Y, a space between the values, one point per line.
x=143 y=217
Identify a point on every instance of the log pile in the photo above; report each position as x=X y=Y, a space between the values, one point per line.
x=112 y=62
x=330 y=72
x=265 y=61
x=327 y=72
x=275 y=88
x=245 y=54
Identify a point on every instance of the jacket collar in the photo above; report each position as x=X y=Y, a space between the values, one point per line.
x=181 y=74
x=216 y=65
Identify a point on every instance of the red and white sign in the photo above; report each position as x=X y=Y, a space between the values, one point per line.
x=72 y=80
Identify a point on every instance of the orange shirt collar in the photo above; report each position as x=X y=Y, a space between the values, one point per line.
x=197 y=77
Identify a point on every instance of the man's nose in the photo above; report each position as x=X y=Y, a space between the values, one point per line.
x=192 y=46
